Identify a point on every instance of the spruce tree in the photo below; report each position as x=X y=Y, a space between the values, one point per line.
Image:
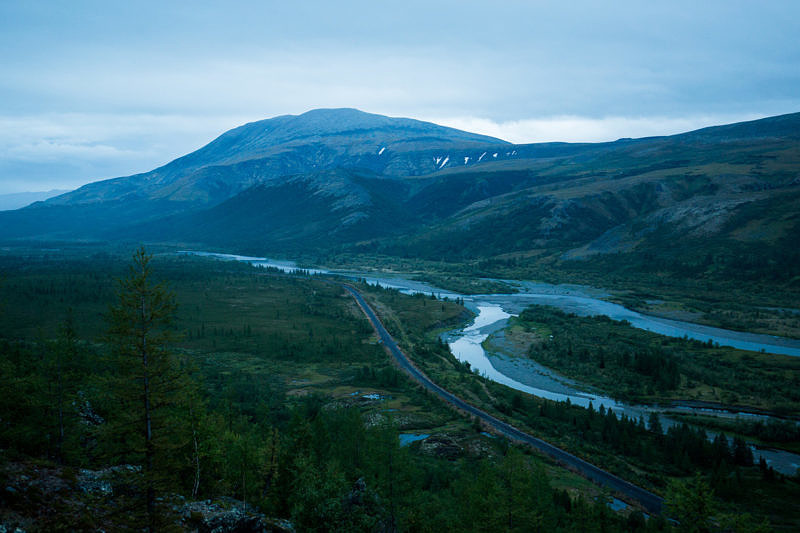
x=59 y=372
x=150 y=423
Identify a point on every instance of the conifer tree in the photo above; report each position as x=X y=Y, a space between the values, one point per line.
x=692 y=503
x=63 y=360
x=150 y=426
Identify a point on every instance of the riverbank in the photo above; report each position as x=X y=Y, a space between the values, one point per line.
x=578 y=299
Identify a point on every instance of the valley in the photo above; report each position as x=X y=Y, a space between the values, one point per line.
x=774 y=396
x=399 y=267
x=249 y=346
x=628 y=308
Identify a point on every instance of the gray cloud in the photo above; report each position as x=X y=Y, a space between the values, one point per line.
x=103 y=89
x=45 y=151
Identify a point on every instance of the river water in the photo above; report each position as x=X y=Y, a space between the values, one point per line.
x=581 y=300
x=492 y=314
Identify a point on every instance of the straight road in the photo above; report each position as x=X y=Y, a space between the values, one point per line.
x=651 y=502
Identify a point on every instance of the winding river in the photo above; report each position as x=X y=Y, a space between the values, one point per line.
x=492 y=314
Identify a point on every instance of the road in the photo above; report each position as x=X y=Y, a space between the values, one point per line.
x=649 y=501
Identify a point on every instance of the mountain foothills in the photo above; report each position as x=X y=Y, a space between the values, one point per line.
x=720 y=201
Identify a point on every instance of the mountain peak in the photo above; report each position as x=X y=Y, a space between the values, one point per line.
x=326 y=122
x=287 y=145
x=335 y=129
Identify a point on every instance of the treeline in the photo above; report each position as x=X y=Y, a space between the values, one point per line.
x=780 y=433
x=678 y=451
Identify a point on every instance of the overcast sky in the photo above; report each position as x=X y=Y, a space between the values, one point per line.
x=93 y=90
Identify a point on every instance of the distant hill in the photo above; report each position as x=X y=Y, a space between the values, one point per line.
x=17 y=200
x=343 y=180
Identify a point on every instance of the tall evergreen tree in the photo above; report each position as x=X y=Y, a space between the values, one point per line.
x=692 y=503
x=150 y=423
x=63 y=359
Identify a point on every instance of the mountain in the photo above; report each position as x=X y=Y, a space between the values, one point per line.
x=254 y=154
x=17 y=200
x=297 y=213
x=288 y=145
x=343 y=180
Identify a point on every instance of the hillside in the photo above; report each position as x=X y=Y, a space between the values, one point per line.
x=723 y=200
x=269 y=149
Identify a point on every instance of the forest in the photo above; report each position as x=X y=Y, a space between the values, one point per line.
x=270 y=396
x=633 y=364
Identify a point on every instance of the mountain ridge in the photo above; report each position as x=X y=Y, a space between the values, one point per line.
x=412 y=192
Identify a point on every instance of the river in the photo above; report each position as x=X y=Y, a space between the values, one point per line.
x=493 y=311
x=581 y=300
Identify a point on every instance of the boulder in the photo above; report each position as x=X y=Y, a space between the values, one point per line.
x=441 y=446
x=233 y=517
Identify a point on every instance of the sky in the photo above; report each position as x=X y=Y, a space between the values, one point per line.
x=92 y=90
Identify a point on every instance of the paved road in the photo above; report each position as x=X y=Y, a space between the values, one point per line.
x=651 y=502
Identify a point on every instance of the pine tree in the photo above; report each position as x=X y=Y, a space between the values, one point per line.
x=150 y=426
x=63 y=360
x=692 y=503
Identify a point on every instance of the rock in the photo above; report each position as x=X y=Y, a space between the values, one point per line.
x=441 y=446
x=480 y=448
x=86 y=413
x=374 y=419
x=208 y=517
x=356 y=495
x=102 y=481
x=7 y=529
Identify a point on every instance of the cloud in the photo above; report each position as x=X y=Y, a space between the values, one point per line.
x=97 y=90
x=587 y=129
x=67 y=150
x=54 y=150
x=260 y=83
